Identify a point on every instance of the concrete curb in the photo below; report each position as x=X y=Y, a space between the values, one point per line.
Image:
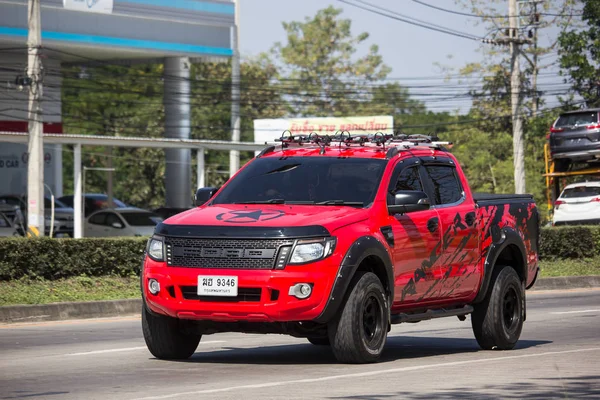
x=116 y=308
x=567 y=282
x=74 y=310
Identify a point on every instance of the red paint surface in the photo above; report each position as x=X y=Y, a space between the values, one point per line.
x=22 y=126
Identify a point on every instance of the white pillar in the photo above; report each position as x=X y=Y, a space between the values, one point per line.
x=200 y=172
x=58 y=177
x=77 y=198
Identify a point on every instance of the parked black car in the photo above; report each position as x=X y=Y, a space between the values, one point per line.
x=93 y=202
x=575 y=137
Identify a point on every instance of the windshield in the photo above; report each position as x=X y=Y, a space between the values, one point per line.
x=583 y=118
x=309 y=180
x=141 y=219
x=581 y=191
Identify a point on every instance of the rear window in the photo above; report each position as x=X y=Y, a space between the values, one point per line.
x=581 y=191
x=582 y=118
x=141 y=219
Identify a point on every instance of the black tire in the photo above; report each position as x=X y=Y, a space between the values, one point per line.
x=561 y=165
x=358 y=334
x=498 y=320
x=319 y=341
x=164 y=338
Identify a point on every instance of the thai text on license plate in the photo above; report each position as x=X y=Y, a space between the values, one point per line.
x=217 y=285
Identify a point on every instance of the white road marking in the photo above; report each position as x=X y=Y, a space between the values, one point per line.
x=574 y=312
x=129 y=349
x=106 y=351
x=364 y=374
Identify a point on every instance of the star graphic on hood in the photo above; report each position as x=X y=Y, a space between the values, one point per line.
x=248 y=216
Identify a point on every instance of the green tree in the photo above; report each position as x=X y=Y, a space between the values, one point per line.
x=128 y=101
x=211 y=106
x=323 y=74
x=579 y=52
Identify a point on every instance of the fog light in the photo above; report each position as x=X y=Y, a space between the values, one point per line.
x=153 y=286
x=301 y=290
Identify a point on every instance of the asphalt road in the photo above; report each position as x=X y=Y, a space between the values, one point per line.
x=558 y=356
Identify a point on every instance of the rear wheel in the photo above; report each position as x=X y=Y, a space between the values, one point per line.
x=359 y=332
x=164 y=338
x=498 y=320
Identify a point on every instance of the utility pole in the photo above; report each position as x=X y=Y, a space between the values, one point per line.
x=35 y=163
x=234 y=155
x=515 y=97
x=536 y=22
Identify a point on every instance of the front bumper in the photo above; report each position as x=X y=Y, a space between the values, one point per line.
x=273 y=304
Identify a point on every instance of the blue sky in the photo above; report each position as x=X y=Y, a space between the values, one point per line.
x=410 y=51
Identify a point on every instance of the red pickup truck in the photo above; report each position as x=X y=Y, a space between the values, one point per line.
x=334 y=240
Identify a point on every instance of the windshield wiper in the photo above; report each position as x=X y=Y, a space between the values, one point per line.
x=277 y=201
x=339 y=203
x=270 y=201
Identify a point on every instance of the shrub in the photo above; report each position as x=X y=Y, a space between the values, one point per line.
x=569 y=242
x=63 y=258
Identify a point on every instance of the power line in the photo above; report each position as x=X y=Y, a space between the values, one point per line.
x=399 y=17
x=487 y=16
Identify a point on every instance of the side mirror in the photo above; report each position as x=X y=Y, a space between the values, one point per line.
x=406 y=201
x=204 y=194
x=117 y=225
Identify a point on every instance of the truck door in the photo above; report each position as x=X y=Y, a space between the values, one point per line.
x=457 y=266
x=417 y=240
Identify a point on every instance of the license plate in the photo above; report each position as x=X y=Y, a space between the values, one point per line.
x=226 y=286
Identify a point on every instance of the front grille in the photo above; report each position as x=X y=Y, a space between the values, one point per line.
x=224 y=253
x=244 y=294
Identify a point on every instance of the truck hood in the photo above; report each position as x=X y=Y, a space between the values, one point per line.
x=330 y=217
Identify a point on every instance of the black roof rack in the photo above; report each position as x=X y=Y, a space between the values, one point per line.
x=395 y=142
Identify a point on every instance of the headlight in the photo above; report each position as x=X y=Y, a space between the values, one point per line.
x=156 y=249
x=312 y=250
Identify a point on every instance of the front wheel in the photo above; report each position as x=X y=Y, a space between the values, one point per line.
x=498 y=320
x=359 y=332
x=164 y=338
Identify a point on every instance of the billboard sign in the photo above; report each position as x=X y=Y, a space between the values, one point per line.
x=266 y=130
x=97 y=6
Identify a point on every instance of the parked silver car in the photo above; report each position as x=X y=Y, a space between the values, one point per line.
x=125 y=221
x=63 y=215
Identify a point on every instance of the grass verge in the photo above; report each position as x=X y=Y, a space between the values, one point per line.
x=28 y=291
x=582 y=266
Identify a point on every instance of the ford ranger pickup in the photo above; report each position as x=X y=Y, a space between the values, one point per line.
x=333 y=239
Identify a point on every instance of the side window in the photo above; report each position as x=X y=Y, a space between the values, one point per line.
x=112 y=218
x=445 y=184
x=98 y=219
x=409 y=180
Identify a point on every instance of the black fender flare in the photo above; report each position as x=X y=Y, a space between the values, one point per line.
x=501 y=240
x=362 y=248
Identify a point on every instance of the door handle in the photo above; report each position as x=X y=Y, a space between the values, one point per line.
x=433 y=224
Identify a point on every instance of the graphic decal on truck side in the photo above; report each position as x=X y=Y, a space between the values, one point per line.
x=489 y=220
